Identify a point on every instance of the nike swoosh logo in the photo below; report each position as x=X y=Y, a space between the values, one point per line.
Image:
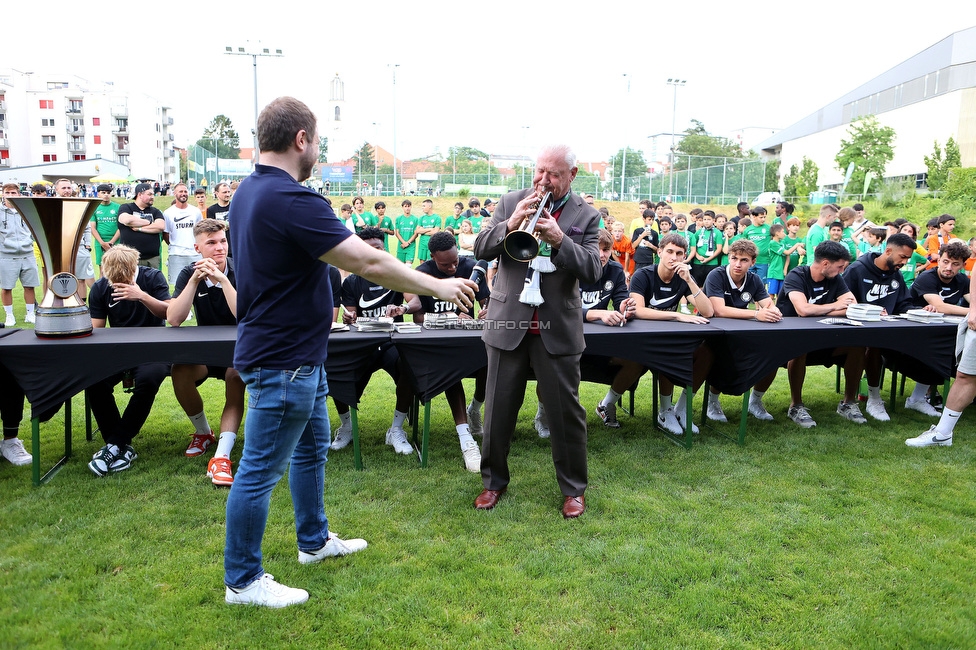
x=203 y=295
x=590 y=305
x=934 y=439
x=112 y=304
x=366 y=304
x=654 y=302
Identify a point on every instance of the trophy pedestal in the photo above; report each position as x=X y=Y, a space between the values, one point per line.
x=62 y=313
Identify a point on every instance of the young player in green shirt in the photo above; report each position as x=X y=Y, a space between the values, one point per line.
x=777 y=259
x=794 y=245
x=429 y=224
x=406 y=233
x=758 y=234
x=104 y=224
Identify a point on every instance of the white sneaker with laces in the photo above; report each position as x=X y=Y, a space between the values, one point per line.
x=265 y=592
x=680 y=415
x=715 y=413
x=850 y=411
x=10 y=322
x=669 y=422
x=30 y=318
x=541 y=426
x=13 y=450
x=396 y=437
x=474 y=421
x=343 y=436
x=472 y=456
x=922 y=406
x=876 y=409
x=931 y=438
x=801 y=416
x=758 y=411
x=334 y=547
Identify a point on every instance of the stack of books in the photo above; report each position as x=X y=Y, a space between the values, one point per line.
x=922 y=316
x=381 y=324
x=864 y=312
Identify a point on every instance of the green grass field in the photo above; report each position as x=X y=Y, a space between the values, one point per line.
x=838 y=536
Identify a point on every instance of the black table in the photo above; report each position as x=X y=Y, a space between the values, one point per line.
x=52 y=371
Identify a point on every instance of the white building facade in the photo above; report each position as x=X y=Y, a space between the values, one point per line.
x=929 y=97
x=61 y=118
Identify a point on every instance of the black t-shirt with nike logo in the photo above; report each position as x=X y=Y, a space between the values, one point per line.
x=209 y=303
x=129 y=313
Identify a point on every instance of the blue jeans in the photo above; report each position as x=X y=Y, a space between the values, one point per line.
x=286 y=421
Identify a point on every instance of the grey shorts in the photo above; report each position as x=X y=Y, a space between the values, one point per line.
x=175 y=264
x=83 y=265
x=23 y=268
x=966 y=349
x=152 y=262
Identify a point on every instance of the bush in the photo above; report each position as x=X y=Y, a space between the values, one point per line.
x=960 y=185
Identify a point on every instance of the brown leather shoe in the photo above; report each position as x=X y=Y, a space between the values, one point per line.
x=488 y=499
x=573 y=507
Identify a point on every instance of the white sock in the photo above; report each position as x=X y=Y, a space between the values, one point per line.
x=225 y=444
x=398 y=418
x=918 y=395
x=757 y=396
x=344 y=418
x=948 y=421
x=610 y=398
x=30 y=309
x=475 y=405
x=665 y=402
x=712 y=398
x=874 y=392
x=464 y=436
x=9 y=309
x=679 y=406
x=540 y=413
x=200 y=423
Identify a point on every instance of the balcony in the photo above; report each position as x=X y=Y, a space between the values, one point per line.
x=169 y=153
x=169 y=121
x=171 y=169
x=120 y=147
x=120 y=129
x=76 y=129
x=74 y=110
x=120 y=110
x=172 y=137
x=76 y=147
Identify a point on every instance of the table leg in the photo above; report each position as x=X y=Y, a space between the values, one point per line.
x=36 y=477
x=354 y=420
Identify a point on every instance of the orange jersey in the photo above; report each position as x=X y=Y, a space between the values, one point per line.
x=624 y=247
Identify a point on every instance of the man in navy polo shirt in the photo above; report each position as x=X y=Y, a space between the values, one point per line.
x=285 y=236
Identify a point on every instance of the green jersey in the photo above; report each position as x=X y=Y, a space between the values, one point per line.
x=706 y=242
x=427 y=221
x=106 y=220
x=386 y=223
x=476 y=223
x=816 y=235
x=777 y=260
x=759 y=235
x=847 y=239
x=370 y=219
x=406 y=226
x=788 y=243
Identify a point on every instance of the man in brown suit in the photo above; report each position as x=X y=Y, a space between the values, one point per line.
x=548 y=339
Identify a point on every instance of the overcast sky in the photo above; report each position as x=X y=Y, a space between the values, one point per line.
x=503 y=76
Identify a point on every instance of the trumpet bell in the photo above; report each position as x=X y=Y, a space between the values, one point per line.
x=521 y=246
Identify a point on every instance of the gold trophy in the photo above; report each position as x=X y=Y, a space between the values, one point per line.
x=57 y=225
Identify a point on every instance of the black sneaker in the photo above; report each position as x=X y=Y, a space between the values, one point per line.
x=124 y=460
x=609 y=415
x=101 y=462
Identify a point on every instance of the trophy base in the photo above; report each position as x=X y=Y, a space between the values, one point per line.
x=62 y=322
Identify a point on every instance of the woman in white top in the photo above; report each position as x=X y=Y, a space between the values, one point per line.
x=466 y=239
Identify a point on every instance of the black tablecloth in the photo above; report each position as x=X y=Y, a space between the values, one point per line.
x=53 y=370
x=750 y=350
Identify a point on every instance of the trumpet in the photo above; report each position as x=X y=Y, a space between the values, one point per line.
x=522 y=245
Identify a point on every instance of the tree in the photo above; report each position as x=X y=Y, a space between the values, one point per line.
x=466 y=153
x=323 y=149
x=938 y=165
x=869 y=148
x=365 y=163
x=771 y=182
x=706 y=150
x=221 y=131
x=800 y=182
x=636 y=166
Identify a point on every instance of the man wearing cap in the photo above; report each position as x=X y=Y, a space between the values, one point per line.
x=140 y=225
x=104 y=224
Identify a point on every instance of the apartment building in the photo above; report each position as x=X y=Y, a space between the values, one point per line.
x=48 y=118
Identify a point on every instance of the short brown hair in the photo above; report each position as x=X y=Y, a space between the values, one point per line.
x=744 y=247
x=604 y=239
x=10 y=186
x=955 y=250
x=208 y=226
x=280 y=122
x=674 y=238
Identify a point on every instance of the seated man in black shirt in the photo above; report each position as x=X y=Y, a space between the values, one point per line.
x=657 y=291
x=208 y=285
x=127 y=295
x=361 y=298
x=819 y=290
x=445 y=262
x=141 y=225
x=731 y=289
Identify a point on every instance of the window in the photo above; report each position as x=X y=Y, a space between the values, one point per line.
x=77 y=125
x=47 y=121
x=53 y=85
x=123 y=159
x=47 y=104
x=50 y=157
x=98 y=139
x=74 y=105
x=96 y=121
x=78 y=156
x=48 y=139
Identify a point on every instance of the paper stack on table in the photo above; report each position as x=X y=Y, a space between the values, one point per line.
x=381 y=324
x=864 y=312
x=922 y=316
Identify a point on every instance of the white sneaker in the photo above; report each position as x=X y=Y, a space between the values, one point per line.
x=396 y=437
x=472 y=456
x=876 y=409
x=343 y=436
x=334 y=547
x=922 y=406
x=474 y=421
x=758 y=411
x=30 y=318
x=931 y=438
x=265 y=592
x=801 y=416
x=715 y=413
x=541 y=426
x=669 y=422
x=13 y=450
x=10 y=322
x=681 y=421
x=850 y=411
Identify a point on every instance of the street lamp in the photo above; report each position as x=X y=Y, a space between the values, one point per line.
x=674 y=112
x=623 y=166
x=253 y=49
x=394 y=66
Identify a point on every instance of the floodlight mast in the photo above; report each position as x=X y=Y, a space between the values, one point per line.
x=253 y=49
x=674 y=110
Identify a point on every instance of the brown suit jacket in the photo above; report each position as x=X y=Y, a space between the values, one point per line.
x=561 y=315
